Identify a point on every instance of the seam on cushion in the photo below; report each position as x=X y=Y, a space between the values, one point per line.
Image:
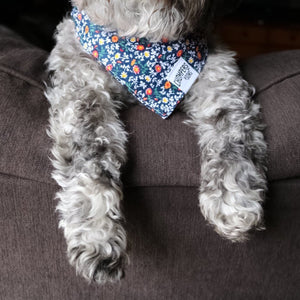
x=193 y=186
x=25 y=178
x=125 y=186
x=21 y=76
x=276 y=82
x=296 y=177
x=197 y=186
x=160 y=186
x=140 y=186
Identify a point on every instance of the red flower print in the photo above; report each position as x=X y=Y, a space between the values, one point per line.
x=199 y=55
x=136 y=69
x=140 y=47
x=158 y=68
x=149 y=91
x=160 y=55
x=109 y=67
x=114 y=38
x=164 y=40
x=95 y=53
x=167 y=85
x=179 y=53
x=79 y=17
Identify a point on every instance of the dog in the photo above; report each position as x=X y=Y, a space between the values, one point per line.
x=89 y=140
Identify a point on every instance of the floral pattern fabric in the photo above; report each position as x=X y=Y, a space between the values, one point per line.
x=141 y=66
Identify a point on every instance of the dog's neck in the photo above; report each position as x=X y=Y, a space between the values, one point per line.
x=149 y=19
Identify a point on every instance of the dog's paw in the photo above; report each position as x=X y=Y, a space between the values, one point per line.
x=99 y=263
x=232 y=214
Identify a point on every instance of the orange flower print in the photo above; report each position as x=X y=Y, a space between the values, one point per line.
x=158 y=68
x=140 y=47
x=136 y=69
x=167 y=85
x=114 y=39
x=164 y=40
x=149 y=91
x=79 y=17
x=199 y=55
x=109 y=67
x=95 y=53
x=133 y=62
x=86 y=30
x=179 y=53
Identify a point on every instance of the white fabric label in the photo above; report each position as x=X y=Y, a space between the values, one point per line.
x=183 y=75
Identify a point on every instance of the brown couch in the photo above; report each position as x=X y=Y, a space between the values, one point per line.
x=174 y=253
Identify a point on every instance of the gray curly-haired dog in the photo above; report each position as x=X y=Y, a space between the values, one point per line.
x=89 y=138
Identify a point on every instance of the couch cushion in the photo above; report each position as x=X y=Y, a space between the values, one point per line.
x=164 y=154
x=173 y=253
x=23 y=109
x=276 y=77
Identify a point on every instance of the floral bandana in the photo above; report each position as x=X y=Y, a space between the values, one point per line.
x=157 y=74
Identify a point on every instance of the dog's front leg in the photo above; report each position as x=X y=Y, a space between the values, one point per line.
x=88 y=152
x=232 y=147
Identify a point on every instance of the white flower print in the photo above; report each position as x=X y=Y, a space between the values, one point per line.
x=124 y=75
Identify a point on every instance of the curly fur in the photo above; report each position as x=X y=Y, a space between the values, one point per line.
x=153 y=19
x=90 y=141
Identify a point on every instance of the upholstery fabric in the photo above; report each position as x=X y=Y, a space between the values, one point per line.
x=276 y=78
x=178 y=159
x=174 y=253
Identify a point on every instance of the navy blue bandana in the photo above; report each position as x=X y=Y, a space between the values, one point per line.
x=157 y=74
